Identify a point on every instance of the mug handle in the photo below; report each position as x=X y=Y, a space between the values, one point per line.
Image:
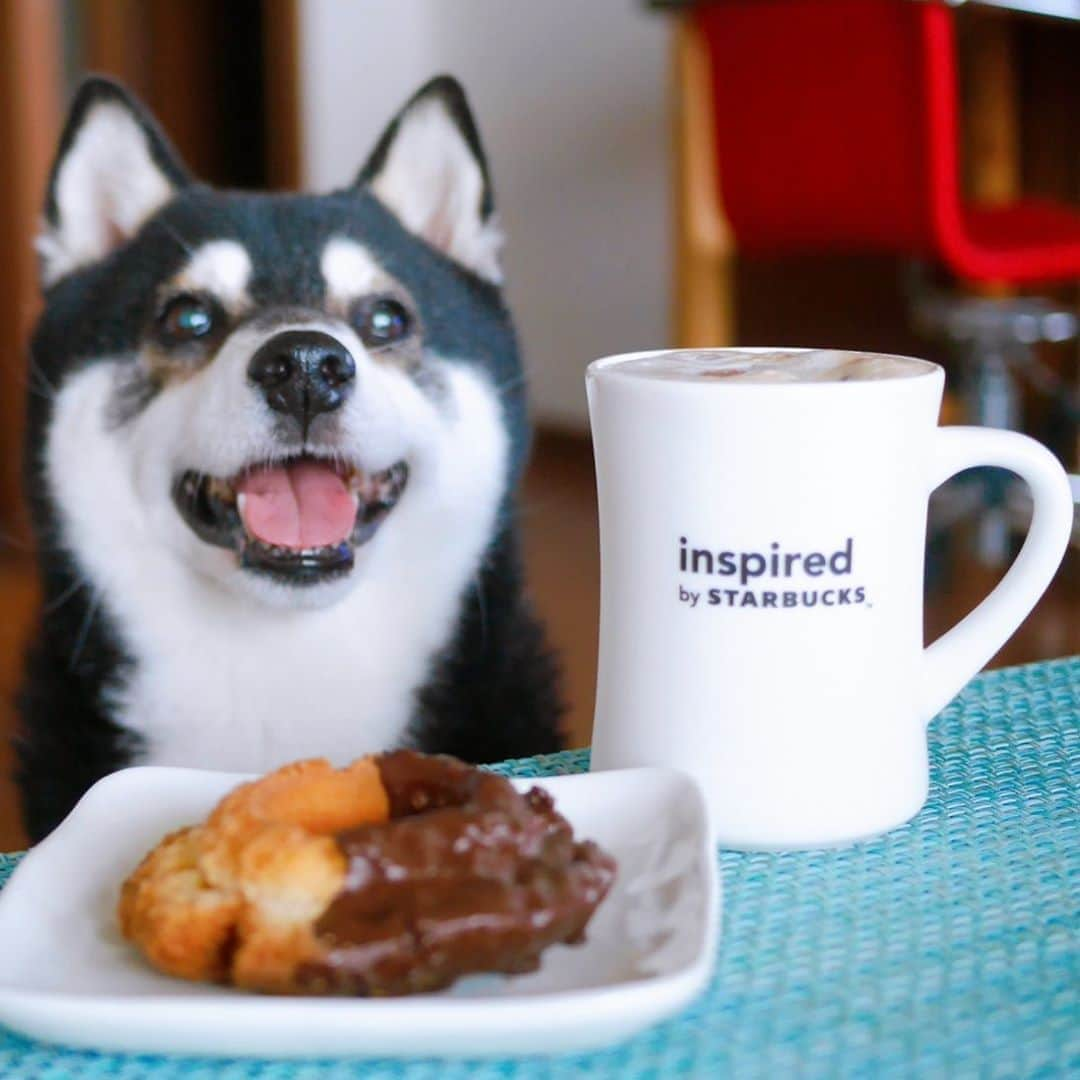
x=962 y=651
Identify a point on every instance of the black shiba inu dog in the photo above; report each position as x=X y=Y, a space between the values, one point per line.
x=272 y=475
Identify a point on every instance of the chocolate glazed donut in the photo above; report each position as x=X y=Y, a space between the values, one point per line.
x=467 y=876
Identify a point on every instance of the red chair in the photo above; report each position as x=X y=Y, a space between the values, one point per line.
x=834 y=127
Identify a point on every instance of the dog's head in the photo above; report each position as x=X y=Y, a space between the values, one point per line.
x=272 y=379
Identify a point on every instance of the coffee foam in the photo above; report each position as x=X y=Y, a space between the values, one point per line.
x=781 y=366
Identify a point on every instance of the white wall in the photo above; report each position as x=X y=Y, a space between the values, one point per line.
x=571 y=99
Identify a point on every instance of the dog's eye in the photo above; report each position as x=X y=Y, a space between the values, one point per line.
x=185 y=318
x=382 y=320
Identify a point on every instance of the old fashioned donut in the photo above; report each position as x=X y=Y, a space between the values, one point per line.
x=234 y=899
x=397 y=874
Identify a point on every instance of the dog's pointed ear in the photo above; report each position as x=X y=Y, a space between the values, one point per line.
x=429 y=169
x=113 y=170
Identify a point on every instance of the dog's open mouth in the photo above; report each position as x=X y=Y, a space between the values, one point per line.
x=298 y=520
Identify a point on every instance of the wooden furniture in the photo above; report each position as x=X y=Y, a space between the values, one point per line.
x=704 y=280
x=29 y=125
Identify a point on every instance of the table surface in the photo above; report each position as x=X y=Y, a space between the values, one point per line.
x=944 y=948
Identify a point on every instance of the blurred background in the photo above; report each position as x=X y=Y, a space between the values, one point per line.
x=890 y=175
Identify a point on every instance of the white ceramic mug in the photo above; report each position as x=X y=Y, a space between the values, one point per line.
x=802 y=710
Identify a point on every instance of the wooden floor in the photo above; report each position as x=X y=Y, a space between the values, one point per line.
x=561 y=544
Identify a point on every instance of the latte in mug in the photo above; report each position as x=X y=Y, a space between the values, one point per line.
x=772 y=366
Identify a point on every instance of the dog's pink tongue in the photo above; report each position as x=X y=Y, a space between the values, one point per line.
x=304 y=504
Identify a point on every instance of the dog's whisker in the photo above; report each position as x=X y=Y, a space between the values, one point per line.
x=176 y=236
x=39 y=373
x=511 y=384
x=530 y=508
x=84 y=628
x=481 y=603
x=15 y=543
x=38 y=382
x=58 y=602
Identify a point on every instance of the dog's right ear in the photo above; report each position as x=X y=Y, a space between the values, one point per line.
x=113 y=170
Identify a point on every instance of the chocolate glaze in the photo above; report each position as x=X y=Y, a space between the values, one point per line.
x=468 y=876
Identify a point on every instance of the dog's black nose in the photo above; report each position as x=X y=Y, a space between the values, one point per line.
x=303 y=373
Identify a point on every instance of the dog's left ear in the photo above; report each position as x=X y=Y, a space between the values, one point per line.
x=429 y=169
x=113 y=170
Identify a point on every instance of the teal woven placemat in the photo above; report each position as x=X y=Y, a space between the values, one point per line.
x=947 y=947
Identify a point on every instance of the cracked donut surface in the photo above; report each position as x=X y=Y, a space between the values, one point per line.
x=397 y=874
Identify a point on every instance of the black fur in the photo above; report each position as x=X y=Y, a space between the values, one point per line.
x=67 y=741
x=492 y=692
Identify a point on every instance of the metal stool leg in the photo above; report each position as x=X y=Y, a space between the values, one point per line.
x=993 y=401
x=996 y=338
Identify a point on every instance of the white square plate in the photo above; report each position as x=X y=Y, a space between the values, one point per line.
x=67 y=976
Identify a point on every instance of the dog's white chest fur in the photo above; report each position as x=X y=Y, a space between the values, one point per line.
x=249 y=690
x=221 y=680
